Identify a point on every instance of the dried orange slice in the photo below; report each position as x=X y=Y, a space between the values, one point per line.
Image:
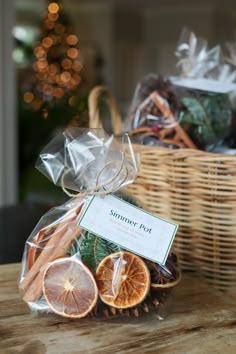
x=69 y=288
x=123 y=279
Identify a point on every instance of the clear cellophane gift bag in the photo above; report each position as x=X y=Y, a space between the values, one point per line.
x=72 y=272
x=197 y=108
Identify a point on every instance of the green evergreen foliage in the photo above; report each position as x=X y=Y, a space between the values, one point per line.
x=209 y=117
x=93 y=249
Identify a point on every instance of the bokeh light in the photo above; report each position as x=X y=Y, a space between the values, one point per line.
x=28 y=97
x=53 y=16
x=57 y=62
x=66 y=64
x=72 y=39
x=53 y=7
x=47 y=42
x=72 y=53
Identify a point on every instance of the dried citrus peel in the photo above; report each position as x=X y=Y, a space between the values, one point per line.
x=123 y=280
x=69 y=288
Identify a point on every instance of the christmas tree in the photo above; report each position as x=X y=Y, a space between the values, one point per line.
x=57 y=63
x=52 y=95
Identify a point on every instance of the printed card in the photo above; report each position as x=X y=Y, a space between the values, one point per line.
x=130 y=227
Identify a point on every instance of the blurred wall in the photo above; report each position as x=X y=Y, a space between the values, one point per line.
x=137 y=37
x=8 y=123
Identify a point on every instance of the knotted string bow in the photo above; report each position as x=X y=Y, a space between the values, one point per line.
x=88 y=162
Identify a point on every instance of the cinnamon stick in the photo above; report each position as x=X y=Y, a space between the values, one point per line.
x=184 y=137
x=50 y=246
x=35 y=290
x=164 y=108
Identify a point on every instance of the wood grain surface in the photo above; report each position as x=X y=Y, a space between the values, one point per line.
x=201 y=320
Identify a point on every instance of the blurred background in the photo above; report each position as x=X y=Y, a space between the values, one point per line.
x=52 y=53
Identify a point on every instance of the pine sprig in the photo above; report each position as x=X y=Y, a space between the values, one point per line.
x=92 y=249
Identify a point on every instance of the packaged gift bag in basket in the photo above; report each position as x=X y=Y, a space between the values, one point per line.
x=198 y=98
x=99 y=254
x=192 y=187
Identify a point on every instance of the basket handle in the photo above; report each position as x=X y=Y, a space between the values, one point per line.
x=94 y=114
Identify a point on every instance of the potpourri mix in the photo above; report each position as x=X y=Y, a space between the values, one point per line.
x=72 y=272
x=192 y=110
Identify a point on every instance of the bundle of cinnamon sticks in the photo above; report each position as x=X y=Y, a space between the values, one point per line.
x=174 y=134
x=56 y=246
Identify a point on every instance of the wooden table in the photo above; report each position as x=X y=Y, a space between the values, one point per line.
x=202 y=320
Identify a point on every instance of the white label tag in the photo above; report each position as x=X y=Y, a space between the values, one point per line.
x=130 y=227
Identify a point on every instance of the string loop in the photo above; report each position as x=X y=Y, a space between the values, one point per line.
x=99 y=189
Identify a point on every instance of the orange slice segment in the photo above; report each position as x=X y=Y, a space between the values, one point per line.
x=69 y=288
x=123 y=280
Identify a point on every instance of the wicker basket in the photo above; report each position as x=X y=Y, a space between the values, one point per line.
x=193 y=188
